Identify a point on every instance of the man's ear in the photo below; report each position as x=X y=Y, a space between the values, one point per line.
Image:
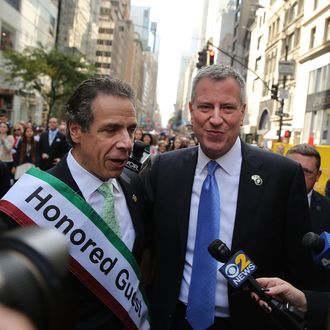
x=75 y=132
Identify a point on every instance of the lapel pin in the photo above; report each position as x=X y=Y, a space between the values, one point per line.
x=134 y=198
x=257 y=179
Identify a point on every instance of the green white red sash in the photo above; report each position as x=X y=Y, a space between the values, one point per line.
x=98 y=257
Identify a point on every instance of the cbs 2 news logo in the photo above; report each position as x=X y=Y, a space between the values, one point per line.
x=238 y=269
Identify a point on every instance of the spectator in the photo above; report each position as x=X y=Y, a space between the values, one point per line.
x=6 y=145
x=27 y=155
x=148 y=140
x=52 y=146
x=138 y=134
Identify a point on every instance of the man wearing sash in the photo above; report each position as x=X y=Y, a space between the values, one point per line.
x=104 y=227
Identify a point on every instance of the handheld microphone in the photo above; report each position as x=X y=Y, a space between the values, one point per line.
x=238 y=269
x=320 y=246
x=139 y=157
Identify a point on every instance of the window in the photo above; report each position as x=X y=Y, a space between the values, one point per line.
x=259 y=42
x=105 y=30
x=15 y=3
x=327 y=30
x=312 y=37
x=296 y=38
x=290 y=41
x=7 y=39
x=293 y=12
x=257 y=65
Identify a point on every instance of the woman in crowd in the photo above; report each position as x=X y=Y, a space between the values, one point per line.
x=26 y=152
x=6 y=145
x=148 y=140
x=138 y=134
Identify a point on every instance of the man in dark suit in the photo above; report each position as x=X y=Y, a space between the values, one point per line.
x=310 y=160
x=101 y=124
x=319 y=206
x=52 y=146
x=263 y=211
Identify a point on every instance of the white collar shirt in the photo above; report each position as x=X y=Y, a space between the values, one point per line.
x=88 y=185
x=227 y=177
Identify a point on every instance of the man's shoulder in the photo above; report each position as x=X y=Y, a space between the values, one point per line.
x=319 y=198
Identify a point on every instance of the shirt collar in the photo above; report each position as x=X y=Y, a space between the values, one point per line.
x=86 y=181
x=230 y=162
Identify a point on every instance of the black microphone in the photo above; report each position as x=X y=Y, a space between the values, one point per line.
x=238 y=269
x=139 y=157
x=320 y=246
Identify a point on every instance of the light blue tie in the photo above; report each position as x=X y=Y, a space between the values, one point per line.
x=108 y=212
x=201 y=299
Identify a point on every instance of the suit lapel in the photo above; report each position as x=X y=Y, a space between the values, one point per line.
x=133 y=201
x=252 y=182
x=184 y=177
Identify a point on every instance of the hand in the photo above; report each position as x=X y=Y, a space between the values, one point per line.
x=281 y=290
x=44 y=156
x=56 y=161
x=11 y=319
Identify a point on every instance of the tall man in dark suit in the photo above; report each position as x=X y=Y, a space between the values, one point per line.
x=101 y=121
x=52 y=146
x=263 y=211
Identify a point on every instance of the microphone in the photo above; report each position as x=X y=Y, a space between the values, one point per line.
x=139 y=157
x=320 y=246
x=238 y=269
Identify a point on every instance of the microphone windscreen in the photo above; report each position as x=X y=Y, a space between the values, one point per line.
x=219 y=251
x=313 y=241
x=138 y=149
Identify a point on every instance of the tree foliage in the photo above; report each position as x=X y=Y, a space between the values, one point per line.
x=51 y=73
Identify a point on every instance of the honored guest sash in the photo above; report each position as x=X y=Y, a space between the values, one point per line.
x=97 y=256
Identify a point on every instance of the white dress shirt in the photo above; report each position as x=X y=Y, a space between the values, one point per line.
x=227 y=177
x=88 y=185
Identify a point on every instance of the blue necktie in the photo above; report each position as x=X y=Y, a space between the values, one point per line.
x=201 y=299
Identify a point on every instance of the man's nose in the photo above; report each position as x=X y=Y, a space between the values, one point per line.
x=216 y=117
x=125 y=141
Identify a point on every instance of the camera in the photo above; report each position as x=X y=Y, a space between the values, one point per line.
x=33 y=270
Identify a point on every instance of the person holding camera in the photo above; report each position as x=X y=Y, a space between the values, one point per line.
x=97 y=204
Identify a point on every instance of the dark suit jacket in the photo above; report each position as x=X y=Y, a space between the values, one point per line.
x=271 y=220
x=57 y=149
x=318 y=314
x=89 y=312
x=320 y=222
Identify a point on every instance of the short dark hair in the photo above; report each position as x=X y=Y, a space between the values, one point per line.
x=306 y=150
x=219 y=72
x=79 y=109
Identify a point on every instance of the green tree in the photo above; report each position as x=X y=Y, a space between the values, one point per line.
x=51 y=73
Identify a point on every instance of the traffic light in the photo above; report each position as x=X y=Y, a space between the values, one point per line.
x=287 y=134
x=274 y=92
x=211 y=56
x=202 y=57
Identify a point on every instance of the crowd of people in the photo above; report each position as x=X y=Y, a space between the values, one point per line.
x=133 y=236
x=24 y=145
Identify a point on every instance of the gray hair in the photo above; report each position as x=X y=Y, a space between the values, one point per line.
x=305 y=149
x=79 y=106
x=219 y=72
